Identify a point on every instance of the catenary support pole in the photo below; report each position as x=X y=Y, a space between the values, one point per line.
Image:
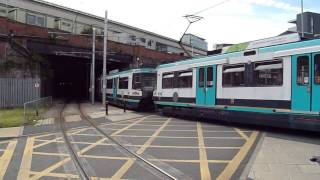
x=93 y=65
x=105 y=38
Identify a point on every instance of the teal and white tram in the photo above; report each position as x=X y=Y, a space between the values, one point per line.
x=274 y=82
x=132 y=88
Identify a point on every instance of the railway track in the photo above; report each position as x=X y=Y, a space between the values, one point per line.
x=77 y=160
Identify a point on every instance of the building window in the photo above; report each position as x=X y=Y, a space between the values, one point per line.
x=268 y=73
x=317 y=69
x=143 y=40
x=185 y=79
x=233 y=76
x=161 y=47
x=201 y=77
x=109 y=83
x=303 y=70
x=136 y=83
x=40 y=21
x=35 y=20
x=210 y=77
x=167 y=80
x=123 y=83
x=133 y=37
x=150 y=43
x=31 y=19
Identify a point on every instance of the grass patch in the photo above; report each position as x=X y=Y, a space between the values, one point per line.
x=15 y=117
x=11 y=117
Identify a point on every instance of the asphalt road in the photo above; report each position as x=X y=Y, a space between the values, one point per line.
x=186 y=149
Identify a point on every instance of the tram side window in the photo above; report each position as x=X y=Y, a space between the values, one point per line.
x=317 y=69
x=123 y=83
x=185 y=79
x=210 y=77
x=136 y=83
x=303 y=70
x=167 y=80
x=233 y=76
x=110 y=83
x=201 y=77
x=268 y=73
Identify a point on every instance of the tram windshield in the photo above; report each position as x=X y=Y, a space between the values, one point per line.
x=144 y=80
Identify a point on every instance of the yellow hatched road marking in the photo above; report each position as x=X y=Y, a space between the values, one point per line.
x=130 y=162
x=124 y=168
x=152 y=146
x=55 y=139
x=51 y=168
x=49 y=154
x=86 y=149
x=128 y=126
x=58 y=164
x=59 y=175
x=233 y=165
x=190 y=161
x=68 y=176
x=243 y=135
x=47 y=142
x=26 y=160
x=153 y=137
x=204 y=166
x=6 y=157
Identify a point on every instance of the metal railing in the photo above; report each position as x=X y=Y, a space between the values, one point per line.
x=34 y=110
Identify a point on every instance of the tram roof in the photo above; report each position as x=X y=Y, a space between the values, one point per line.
x=138 y=70
x=275 y=48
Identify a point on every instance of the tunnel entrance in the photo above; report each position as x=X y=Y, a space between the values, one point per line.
x=69 y=78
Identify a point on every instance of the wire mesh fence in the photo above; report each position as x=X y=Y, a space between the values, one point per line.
x=35 y=110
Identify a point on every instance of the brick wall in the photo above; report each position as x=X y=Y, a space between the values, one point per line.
x=147 y=56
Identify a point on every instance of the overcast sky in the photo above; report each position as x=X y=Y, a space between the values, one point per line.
x=232 y=22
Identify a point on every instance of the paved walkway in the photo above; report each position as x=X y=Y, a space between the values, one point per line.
x=286 y=157
x=114 y=113
x=11 y=132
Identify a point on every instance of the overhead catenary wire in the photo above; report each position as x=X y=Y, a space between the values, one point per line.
x=192 y=18
x=211 y=7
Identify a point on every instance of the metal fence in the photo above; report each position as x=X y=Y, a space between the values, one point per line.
x=35 y=110
x=14 y=92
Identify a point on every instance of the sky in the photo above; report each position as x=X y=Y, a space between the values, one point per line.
x=234 y=21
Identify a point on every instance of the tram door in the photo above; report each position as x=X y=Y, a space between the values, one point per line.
x=306 y=82
x=206 y=82
x=316 y=83
x=115 y=87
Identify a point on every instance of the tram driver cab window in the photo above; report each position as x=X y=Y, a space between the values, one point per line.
x=123 y=83
x=317 y=69
x=109 y=83
x=303 y=70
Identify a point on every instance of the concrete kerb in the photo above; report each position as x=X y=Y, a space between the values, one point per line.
x=246 y=172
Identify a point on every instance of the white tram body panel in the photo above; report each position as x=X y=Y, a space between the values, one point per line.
x=282 y=92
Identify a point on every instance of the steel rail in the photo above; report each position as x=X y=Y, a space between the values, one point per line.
x=75 y=158
x=93 y=124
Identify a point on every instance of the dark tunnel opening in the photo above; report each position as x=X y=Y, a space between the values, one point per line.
x=69 y=78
